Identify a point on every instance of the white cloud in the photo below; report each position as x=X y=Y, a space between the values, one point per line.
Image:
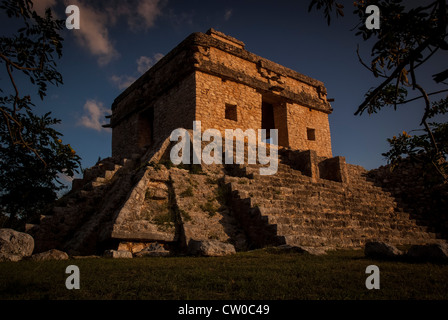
x=94 y=113
x=227 y=14
x=97 y=18
x=122 y=82
x=157 y=57
x=144 y=63
x=93 y=33
x=149 y=10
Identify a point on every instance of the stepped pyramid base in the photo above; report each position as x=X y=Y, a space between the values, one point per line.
x=129 y=204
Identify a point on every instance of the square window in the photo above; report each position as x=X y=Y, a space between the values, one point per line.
x=311 y=134
x=231 y=113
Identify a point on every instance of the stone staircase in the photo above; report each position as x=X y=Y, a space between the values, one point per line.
x=297 y=209
x=311 y=201
x=72 y=213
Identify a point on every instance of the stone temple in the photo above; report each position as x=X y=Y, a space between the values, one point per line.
x=137 y=200
x=212 y=78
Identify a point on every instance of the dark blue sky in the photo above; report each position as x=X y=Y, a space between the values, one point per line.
x=118 y=40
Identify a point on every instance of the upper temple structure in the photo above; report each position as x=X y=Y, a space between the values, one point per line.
x=212 y=78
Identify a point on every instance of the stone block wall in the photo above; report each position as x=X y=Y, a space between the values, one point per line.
x=214 y=93
x=334 y=169
x=229 y=75
x=300 y=119
x=174 y=109
x=208 y=73
x=419 y=189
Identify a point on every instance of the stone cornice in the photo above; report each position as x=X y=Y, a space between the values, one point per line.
x=183 y=60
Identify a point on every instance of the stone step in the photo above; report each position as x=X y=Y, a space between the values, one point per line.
x=300 y=188
x=284 y=168
x=306 y=212
x=320 y=205
x=308 y=240
x=292 y=181
x=93 y=185
x=353 y=233
x=351 y=227
x=344 y=219
x=348 y=241
x=288 y=193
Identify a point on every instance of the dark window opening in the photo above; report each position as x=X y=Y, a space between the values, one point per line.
x=311 y=134
x=231 y=112
x=267 y=118
x=146 y=128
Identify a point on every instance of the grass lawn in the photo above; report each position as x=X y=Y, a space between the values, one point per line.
x=261 y=274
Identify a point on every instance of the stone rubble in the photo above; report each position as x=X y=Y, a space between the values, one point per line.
x=14 y=245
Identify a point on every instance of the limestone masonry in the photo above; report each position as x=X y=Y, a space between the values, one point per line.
x=137 y=203
x=212 y=78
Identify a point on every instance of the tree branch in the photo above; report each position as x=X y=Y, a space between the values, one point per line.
x=14 y=85
x=394 y=74
x=364 y=64
x=428 y=94
x=15 y=65
x=6 y=115
x=425 y=116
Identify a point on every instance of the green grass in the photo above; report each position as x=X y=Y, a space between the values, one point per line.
x=260 y=274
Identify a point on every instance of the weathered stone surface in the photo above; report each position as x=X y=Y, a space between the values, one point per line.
x=202 y=209
x=153 y=250
x=146 y=214
x=381 y=250
x=117 y=254
x=430 y=252
x=418 y=188
x=131 y=246
x=52 y=254
x=211 y=72
x=210 y=248
x=15 y=245
x=160 y=174
x=157 y=191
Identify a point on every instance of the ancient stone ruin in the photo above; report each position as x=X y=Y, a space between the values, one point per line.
x=137 y=199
